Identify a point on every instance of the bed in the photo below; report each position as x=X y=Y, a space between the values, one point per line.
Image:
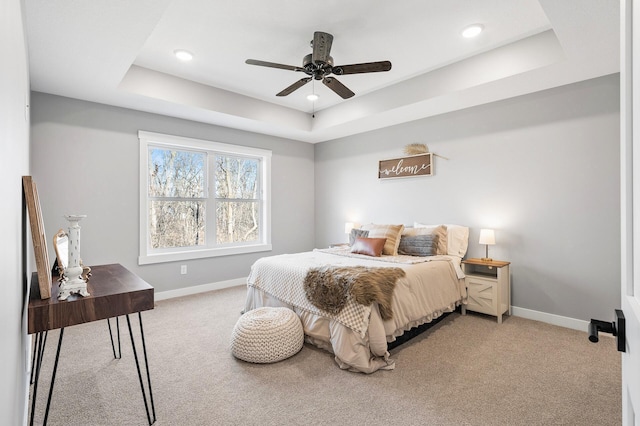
x=358 y=334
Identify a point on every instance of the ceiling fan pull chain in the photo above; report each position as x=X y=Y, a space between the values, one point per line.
x=313 y=103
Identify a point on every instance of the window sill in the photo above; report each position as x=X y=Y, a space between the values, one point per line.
x=201 y=254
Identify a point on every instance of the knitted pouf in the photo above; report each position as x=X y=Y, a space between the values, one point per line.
x=266 y=335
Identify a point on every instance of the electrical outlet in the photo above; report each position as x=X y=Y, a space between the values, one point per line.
x=183 y=269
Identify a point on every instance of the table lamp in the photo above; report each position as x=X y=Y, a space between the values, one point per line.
x=487 y=237
x=348 y=226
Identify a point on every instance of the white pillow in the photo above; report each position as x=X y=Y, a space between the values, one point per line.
x=457 y=238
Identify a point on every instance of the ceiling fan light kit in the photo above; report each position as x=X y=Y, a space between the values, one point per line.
x=318 y=65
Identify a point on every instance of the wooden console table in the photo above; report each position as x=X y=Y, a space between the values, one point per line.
x=114 y=291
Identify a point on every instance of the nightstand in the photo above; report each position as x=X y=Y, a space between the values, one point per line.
x=488 y=287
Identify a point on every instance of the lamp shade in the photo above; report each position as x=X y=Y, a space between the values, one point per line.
x=348 y=226
x=487 y=236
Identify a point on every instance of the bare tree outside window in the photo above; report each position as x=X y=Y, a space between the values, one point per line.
x=176 y=198
x=237 y=199
x=201 y=198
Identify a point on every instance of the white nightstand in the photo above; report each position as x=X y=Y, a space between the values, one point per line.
x=488 y=287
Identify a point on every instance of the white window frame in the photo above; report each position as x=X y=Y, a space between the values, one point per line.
x=147 y=255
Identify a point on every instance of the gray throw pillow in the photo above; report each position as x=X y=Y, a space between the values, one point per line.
x=418 y=245
x=355 y=233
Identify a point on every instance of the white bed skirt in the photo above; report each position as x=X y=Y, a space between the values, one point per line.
x=351 y=352
x=430 y=288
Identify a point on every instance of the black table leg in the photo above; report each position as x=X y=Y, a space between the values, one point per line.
x=33 y=360
x=119 y=356
x=41 y=342
x=146 y=363
x=39 y=348
x=135 y=355
x=53 y=377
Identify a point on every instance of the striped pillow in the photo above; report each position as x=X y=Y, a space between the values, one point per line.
x=391 y=232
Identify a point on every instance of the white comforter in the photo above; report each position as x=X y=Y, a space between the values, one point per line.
x=358 y=336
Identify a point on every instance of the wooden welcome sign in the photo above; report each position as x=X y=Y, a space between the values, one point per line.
x=415 y=165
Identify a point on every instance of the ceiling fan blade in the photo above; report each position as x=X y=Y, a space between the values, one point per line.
x=273 y=65
x=342 y=90
x=321 y=47
x=362 y=68
x=295 y=86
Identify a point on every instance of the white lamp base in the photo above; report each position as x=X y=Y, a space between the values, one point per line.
x=68 y=290
x=72 y=283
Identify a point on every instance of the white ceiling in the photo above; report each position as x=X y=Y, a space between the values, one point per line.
x=120 y=52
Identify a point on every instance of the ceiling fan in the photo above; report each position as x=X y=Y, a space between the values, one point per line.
x=319 y=65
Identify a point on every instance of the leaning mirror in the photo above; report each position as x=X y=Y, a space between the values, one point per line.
x=61 y=246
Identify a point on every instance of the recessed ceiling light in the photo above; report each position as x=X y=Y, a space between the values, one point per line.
x=472 y=31
x=183 y=55
x=312 y=97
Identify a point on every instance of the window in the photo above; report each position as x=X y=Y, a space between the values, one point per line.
x=201 y=199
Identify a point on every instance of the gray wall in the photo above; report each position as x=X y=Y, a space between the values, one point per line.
x=542 y=169
x=85 y=159
x=14 y=143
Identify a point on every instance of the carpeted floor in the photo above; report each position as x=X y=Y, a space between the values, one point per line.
x=466 y=370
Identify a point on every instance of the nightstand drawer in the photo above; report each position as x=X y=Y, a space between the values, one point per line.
x=482 y=295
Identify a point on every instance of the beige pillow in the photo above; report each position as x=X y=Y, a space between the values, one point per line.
x=438 y=230
x=391 y=232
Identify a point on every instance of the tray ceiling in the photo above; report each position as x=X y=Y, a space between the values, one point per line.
x=121 y=53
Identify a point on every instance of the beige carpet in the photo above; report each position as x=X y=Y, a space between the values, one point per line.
x=466 y=370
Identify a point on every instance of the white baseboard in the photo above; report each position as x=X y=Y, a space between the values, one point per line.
x=187 y=291
x=566 y=322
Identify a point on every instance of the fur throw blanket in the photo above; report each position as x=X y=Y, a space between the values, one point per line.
x=328 y=287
